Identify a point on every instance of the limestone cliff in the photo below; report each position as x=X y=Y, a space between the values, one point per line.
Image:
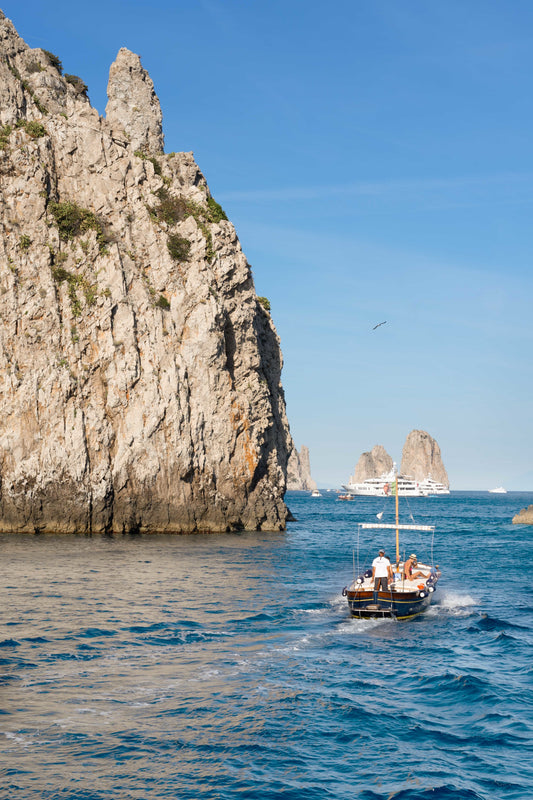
x=372 y=464
x=524 y=517
x=299 y=471
x=139 y=375
x=421 y=458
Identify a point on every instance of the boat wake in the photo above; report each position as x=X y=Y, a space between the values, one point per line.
x=454 y=604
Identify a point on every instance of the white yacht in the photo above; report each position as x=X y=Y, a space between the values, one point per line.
x=428 y=486
x=385 y=485
x=498 y=490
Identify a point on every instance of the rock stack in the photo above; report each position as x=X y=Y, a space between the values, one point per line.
x=524 y=517
x=421 y=458
x=139 y=372
x=299 y=471
x=372 y=464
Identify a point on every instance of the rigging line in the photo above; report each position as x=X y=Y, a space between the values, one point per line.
x=409 y=507
x=358 y=532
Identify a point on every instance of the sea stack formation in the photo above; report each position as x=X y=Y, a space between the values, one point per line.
x=421 y=458
x=524 y=517
x=299 y=471
x=372 y=464
x=139 y=372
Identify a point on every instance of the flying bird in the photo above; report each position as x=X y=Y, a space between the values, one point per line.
x=378 y=325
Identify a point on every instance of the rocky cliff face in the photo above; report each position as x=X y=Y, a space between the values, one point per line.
x=421 y=458
x=139 y=375
x=372 y=464
x=299 y=471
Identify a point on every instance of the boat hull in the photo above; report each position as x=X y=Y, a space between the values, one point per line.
x=400 y=605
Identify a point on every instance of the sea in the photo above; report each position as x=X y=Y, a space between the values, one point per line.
x=227 y=667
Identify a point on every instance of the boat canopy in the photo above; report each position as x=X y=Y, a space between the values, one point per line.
x=392 y=527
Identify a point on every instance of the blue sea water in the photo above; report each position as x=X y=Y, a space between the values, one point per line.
x=227 y=666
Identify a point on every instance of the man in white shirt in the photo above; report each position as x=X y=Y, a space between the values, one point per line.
x=381 y=572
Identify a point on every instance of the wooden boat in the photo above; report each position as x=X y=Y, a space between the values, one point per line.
x=404 y=598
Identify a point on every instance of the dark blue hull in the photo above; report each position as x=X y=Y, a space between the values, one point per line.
x=400 y=605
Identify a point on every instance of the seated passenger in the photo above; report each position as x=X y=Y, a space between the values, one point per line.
x=409 y=566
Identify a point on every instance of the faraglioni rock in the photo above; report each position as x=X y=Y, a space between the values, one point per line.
x=524 y=517
x=140 y=383
x=421 y=458
x=372 y=464
x=299 y=471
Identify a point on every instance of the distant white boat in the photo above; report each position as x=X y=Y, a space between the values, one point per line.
x=428 y=486
x=315 y=493
x=498 y=490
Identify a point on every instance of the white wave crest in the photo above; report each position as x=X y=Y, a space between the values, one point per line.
x=454 y=603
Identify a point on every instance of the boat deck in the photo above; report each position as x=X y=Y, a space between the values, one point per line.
x=397 y=586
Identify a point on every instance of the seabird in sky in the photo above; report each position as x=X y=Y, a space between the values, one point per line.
x=379 y=323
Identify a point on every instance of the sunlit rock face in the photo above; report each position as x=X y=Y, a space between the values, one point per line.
x=524 y=517
x=299 y=471
x=372 y=464
x=421 y=458
x=140 y=380
x=133 y=105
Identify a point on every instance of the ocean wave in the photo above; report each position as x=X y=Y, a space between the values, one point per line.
x=442 y=792
x=158 y=626
x=92 y=633
x=488 y=623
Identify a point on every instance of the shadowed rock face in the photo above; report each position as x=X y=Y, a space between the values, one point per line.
x=140 y=388
x=299 y=471
x=421 y=457
x=372 y=464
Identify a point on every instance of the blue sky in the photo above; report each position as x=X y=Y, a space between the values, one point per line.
x=375 y=157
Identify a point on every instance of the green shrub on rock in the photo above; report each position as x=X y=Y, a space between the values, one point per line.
x=216 y=212
x=5 y=132
x=178 y=247
x=75 y=81
x=163 y=303
x=54 y=61
x=32 y=127
x=170 y=209
x=72 y=220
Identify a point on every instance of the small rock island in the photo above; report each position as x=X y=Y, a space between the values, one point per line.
x=524 y=517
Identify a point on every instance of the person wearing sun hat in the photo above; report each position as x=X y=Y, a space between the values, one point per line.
x=411 y=564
